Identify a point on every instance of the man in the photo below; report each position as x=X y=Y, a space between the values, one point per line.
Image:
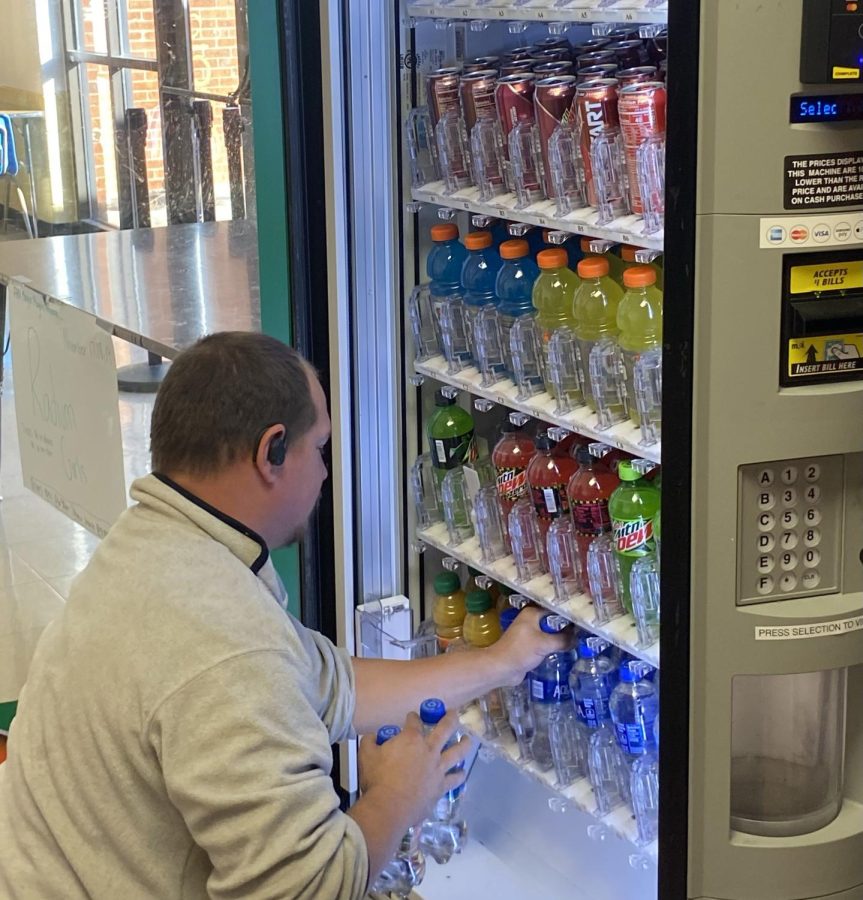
x=173 y=738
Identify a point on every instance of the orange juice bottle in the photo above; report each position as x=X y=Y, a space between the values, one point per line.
x=482 y=622
x=449 y=609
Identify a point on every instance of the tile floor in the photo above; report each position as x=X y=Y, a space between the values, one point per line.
x=41 y=551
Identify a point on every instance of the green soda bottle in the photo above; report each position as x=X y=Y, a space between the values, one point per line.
x=633 y=507
x=553 y=298
x=596 y=302
x=639 y=319
x=450 y=433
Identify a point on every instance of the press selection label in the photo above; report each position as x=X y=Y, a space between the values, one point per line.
x=787 y=632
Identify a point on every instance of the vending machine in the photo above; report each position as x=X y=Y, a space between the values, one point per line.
x=706 y=159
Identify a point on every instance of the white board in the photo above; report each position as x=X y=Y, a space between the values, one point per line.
x=66 y=405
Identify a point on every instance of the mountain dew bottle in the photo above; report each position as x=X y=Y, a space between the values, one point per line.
x=451 y=440
x=633 y=507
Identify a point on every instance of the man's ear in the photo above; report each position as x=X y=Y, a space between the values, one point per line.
x=270 y=452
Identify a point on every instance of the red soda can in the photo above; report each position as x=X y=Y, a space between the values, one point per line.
x=596 y=58
x=552 y=43
x=515 y=67
x=477 y=96
x=596 y=105
x=553 y=55
x=622 y=33
x=641 y=108
x=629 y=53
x=525 y=52
x=636 y=75
x=479 y=63
x=552 y=102
x=442 y=89
x=513 y=97
x=591 y=73
x=547 y=69
x=589 y=45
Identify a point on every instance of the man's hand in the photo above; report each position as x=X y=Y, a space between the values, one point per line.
x=524 y=646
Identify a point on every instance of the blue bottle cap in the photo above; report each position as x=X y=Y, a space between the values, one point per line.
x=507 y=617
x=628 y=675
x=553 y=624
x=387 y=732
x=585 y=651
x=432 y=711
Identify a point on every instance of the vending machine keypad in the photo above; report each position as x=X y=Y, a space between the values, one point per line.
x=790 y=528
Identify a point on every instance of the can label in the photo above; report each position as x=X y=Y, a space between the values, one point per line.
x=634 y=537
x=450 y=452
x=590 y=517
x=641 y=109
x=550 y=502
x=553 y=98
x=544 y=691
x=511 y=483
x=597 y=108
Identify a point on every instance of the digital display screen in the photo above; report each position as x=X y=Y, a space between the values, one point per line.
x=826 y=108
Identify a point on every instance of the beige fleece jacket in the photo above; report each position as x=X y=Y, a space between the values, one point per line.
x=173 y=737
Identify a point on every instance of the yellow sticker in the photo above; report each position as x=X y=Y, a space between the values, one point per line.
x=828 y=354
x=827 y=277
x=845 y=72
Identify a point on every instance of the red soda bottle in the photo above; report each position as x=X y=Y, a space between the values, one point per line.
x=547 y=476
x=588 y=492
x=510 y=458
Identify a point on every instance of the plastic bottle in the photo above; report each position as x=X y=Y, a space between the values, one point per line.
x=407 y=868
x=450 y=433
x=444 y=833
x=553 y=296
x=627 y=254
x=596 y=302
x=616 y=265
x=444 y=265
x=478 y=277
x=482 y=629
x=634 y=709
x=572 y=245
x=449 y=609
x=514 y=289
x=589 y=491
x=511 y=456
x=517 y=702
x=633 y=507
x=639 y=322
x=555 y=744
x=547 y=476
x=592 y=681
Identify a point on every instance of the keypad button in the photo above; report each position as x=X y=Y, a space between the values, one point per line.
x=813 y=472
x=789 y=497
x=766 y=500
x=788 y=582
x=811 y=579
x=788 y=541
x=789 y=519
x=766 y=564
x=812 y=517
x=812 y=537
x=813 y=493
x=766 y=543
x=789 y=475
x=788 y=561
x=811 y=558
x=766 y=521
x=766 y=478
x=765 y=585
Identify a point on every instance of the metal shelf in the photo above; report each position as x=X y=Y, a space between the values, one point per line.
x=579 y=794
x=578 y=609
x=625 y=436
x=576 y=11
x=627 y=230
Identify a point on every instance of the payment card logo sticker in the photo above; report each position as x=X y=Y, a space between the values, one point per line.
x=831 y=354
x=776 y=234
x=821 y=233
x=799 y=234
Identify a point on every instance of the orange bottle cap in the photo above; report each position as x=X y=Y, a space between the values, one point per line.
x=444 y=232
x=585 y=245
x=639 y=276
x=478 y=240
x=551 y=259
x=627 y=253
x=593 y=267
x=513 y=249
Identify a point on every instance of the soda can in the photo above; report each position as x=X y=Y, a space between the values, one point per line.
x=552 y=100
x=591 y=73
x=622 y=33
x=553 y=55
x=477 y=96
x=479 y=63
x=547 y=69
x=596 y=105
x=589 y=45
x=596 y=58
x=641 y=109
x=552 y=43
x=636 y=75
x=443 y=94
x=628 y=53
x=515 y=67
x=513 y=95
x=525 y=52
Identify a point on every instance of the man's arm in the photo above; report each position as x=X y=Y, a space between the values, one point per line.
x=387 y=690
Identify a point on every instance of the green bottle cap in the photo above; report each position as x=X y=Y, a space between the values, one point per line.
x=478 y=601
x=627 y=472
x=446 y=583
x=440 y=399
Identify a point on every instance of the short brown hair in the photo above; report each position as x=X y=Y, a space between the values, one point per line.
x=221 y=394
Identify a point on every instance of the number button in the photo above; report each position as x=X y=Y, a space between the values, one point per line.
x=811 y=558
x=766 y=521
x=813 y=493
x=766 y=500
x=789 y=475
x=813 y=472
x=811 y=579
x=812 y=537
x=790 y=519
x=788 y=582
x=789 y=562
x=789 y=497
x=766 y=564
x=766 y=543
x=813 y=517
x=766 y=478
x=764 y=585
x=789 y=540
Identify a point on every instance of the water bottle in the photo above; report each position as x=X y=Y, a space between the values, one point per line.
x=553 y=711
x=644 y=787
x=634 y=710
x=478 y=276
x=407 y=868
x=516 y=701
x=443 y=833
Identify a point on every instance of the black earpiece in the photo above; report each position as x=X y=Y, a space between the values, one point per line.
x=277 y=450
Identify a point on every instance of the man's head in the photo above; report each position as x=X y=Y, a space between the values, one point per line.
x=243 y=414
